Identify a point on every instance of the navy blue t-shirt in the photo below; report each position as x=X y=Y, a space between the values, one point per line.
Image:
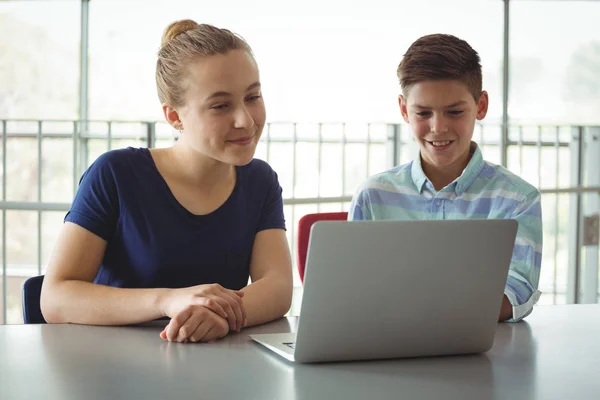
x=153 y=241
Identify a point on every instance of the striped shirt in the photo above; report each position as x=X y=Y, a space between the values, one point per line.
x=484 y=190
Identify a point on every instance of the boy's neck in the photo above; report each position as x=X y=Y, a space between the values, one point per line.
x=442 y=177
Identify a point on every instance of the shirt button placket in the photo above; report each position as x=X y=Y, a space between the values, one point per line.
x=436 y=206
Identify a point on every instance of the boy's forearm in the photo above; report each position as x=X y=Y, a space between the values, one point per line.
x=506 y=311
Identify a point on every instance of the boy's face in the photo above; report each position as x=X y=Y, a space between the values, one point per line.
x=442 y=116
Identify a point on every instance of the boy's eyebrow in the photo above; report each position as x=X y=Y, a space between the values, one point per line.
x=458 y=103
x=223 y=94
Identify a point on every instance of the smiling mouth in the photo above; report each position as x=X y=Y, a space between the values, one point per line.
x=440 y=143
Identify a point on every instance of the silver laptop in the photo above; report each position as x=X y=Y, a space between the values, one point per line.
x=392 y=289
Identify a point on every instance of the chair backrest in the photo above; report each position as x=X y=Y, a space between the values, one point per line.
x=304 y=226
x=32 y=289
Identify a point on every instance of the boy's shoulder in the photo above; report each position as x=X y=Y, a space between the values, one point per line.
x=500 y=178
x=392 y=180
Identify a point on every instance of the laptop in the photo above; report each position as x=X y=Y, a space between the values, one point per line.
x=395 y=289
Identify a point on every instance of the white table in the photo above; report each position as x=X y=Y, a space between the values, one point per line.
x=554 y=355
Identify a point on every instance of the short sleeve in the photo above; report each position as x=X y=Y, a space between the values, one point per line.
x=272 y=216
x=359 y=207
x=96 y=203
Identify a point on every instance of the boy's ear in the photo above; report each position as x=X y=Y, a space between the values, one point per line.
x=482 y=105
x=403 y=108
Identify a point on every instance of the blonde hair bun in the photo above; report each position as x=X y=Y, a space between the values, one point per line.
x=177 y=51
x=176 y=29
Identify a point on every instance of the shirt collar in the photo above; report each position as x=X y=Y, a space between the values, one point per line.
x=462 y=183
x=418 y=176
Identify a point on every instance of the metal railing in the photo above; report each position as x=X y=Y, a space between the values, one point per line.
x=308 y=159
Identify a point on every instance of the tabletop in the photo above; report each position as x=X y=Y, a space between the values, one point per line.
x=553 y=354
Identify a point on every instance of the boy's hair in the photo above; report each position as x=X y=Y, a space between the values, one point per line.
x=440 y=57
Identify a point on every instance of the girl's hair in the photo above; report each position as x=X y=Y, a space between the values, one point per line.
x=182 y=42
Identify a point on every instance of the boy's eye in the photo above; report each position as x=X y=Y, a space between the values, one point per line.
x=455 y=112
x=423 y=113
x=219 y=106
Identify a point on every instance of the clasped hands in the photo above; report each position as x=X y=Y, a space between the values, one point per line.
x=202 y=313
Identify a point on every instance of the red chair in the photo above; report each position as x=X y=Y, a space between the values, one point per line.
x=304 y=226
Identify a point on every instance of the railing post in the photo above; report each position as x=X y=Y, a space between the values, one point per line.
x=591 y=212
x=505 y=85
x=394 y=144
x=4 y=278
x=574 y=266
x=150 y=134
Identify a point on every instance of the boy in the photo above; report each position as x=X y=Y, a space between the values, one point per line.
x=441 y=81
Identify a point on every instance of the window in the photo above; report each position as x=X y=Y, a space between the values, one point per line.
x=554 y=60
x=320 y=61
x=39 y=68
x=39 y=79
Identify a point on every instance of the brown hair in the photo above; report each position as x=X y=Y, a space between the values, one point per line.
x=438 y=57
x=182 y=42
